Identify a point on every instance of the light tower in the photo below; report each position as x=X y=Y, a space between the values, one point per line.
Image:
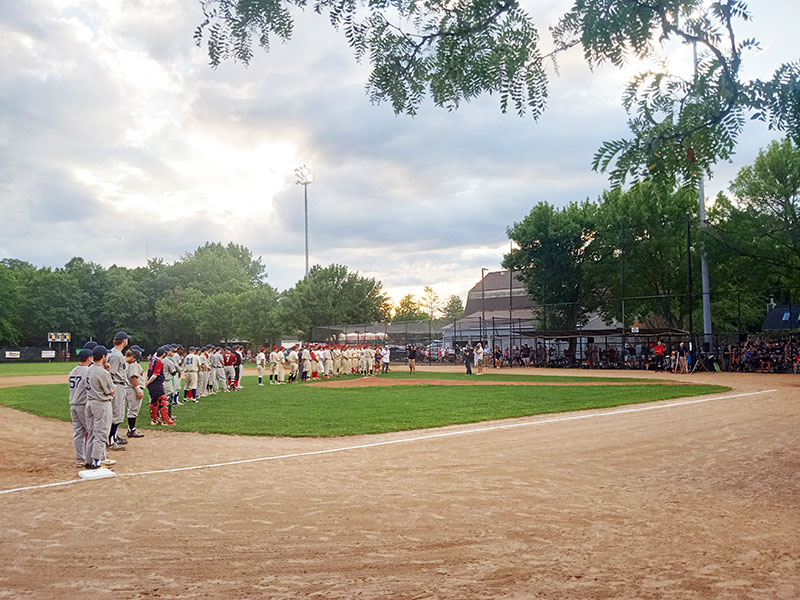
x=305 y=176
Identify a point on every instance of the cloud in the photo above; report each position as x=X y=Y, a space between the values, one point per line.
x=115 y=129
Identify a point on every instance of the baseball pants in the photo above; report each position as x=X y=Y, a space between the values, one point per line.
x=118 y=404
x=134 y=402
x=98 y=417
x=79 y=431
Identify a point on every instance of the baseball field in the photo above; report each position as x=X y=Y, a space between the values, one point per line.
x=640 y=490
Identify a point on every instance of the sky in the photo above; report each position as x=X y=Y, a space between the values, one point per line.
x=118 y=143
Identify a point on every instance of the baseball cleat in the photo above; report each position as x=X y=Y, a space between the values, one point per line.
x=135 y=433
x=107 y=462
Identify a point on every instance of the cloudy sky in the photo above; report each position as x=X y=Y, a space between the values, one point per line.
x=118 y=142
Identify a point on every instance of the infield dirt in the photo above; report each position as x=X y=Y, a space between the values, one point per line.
x=694 y=501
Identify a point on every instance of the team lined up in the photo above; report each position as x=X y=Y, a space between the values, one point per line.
x=320 y=361
x=108 y=386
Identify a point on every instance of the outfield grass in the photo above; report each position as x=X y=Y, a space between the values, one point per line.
x=9 y=369
x=306 y=410
x=505 y=375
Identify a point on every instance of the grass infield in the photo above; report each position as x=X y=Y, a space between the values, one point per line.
x=302 y=410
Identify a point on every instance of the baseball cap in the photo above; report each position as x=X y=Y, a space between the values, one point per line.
x=84 y=354
x=99 y=352
x=161 y=351
x=137 y=353
x=90 y=345
x=263 y=349
x=121 y=335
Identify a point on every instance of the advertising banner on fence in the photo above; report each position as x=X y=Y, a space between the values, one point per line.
x=12 y=353
x=48 y=353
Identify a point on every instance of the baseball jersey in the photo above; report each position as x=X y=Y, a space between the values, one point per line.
x=99 y=385
x=261 y=359
x=117 y=367
x=191 y=363
x=156 y=388
x=77 y=385
x=135 y=370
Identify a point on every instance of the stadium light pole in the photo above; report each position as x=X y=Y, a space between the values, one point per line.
x=305 y=176
x=704 y=281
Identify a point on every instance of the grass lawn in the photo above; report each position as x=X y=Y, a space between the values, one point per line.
x=306 y=410
x=504 y=375
x=8 y=369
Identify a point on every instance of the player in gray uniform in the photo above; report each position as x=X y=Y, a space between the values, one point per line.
x=218 y=370
x=134 y=389
x=118 y=369
x=77 y=406
x=99 y=393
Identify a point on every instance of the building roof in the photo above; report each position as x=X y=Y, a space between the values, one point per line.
x=783 y=317
x=492 y=296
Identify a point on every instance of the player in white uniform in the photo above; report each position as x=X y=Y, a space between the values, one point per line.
x=293 y=359
x=202 y=376
x=261 y=363
x=134 y=389
x=327 y=358
x=191 y=366
x=77 y=406
x=306 y=358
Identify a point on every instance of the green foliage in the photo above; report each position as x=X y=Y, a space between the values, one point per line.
x=555 y=259
x=642 y=253
x=762 y=227
x=454 y=52
x=457 y=51
x=332 y=295
x=408 y=309
x=453 y=308
x=310 y=410
x=213 y=295
x=10 y=306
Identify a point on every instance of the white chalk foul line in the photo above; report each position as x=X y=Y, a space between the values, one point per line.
x=407 y=440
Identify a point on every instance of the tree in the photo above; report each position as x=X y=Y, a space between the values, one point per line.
x=258 y=315
x=453 y=308
x=555 y=257
x=332 y=295
x=430 y=301
x=641 y=247
x=10 y=307
x=408 y=309
x=455 y=52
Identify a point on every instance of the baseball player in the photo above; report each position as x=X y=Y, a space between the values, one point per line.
x=159 y=402
x=99 y=393
x=118 y=369
x=293 y=359
x=274 y=365
x=134 y=389
x=202 y=376
x=191 y=366
x=77 y=406
x=327 y=358
x=170 y=370
x=239 y=356
x=229 y=360
x=261 y=362
x=218 y=369
x=306 y=359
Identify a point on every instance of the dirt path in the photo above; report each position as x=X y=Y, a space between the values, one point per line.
x=693 y=501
